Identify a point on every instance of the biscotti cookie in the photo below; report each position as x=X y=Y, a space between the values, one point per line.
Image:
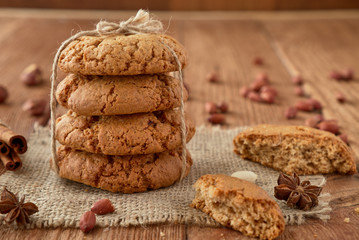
x=140 y=133
x=115 y=95
x=240 y=205
x=122 y=55
x=126 y=174
x=298 y=149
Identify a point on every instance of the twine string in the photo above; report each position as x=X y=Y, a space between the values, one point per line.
x=139 y=24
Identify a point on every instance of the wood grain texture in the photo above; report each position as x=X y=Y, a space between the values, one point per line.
x=312 y=47
x=187 y=5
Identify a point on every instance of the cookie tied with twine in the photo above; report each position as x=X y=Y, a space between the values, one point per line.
x=142 y=23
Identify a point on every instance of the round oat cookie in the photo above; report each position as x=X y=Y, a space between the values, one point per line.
x=140 y=133
x=126 y=174
x=122 y=55
x=116 y=95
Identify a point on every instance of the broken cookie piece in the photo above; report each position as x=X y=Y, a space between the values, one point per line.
x=239 y=204
x=299 y=149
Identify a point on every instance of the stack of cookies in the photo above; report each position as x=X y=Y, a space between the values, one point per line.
x=122 y=130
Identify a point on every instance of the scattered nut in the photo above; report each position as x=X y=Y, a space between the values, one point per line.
x=290 y=112
x=216 y=118
x=262 y=77
x=316 y=104
x=258 y=84
x=336 y=75
x=243 y=91
x=356 y=210
x=347 y=220
x=258 y=61
x=313 y=121
x=347 y=74
x=87 y=221
x=304 y=106
x=213 y=77
x=254 y=96
x=267 y=97
x=245 y=175
x=341 y=98
x=102 y=207
x=297 y=80
x=329 y=125
x=3 y=94
x=299 y=91
x=210 y=107
x=35 y=107
x=268 y=88
x=344 y=138
x=223 y=107
x=31 y=75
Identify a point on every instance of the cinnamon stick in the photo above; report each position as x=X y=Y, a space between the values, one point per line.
x=13 y=140
x=8 y=162
x=4 y=149
x=16 y=159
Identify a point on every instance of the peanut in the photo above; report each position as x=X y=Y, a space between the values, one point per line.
x=102 y=207
x=216 y=118
x=268 y=88
x=210 y=107
x=297 y=80
x=304 y=106
x=223 y=107
x=313 y=121
x=329 y=125
x=243 y=91
x=299 y=91
x=213 y=77
x=267 y=97
x=290 y=112
x=341 y=98
x=254 y=96
x=87 y=221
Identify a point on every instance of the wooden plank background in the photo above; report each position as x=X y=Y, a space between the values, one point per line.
x=311 y=46
x=187 y=5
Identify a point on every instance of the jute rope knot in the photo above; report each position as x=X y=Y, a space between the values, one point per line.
x=139 y=24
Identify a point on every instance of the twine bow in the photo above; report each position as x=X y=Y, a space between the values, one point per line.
x=139 y=24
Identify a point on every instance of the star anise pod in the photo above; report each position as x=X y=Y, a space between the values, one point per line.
x=296 y=193
x=15 y=209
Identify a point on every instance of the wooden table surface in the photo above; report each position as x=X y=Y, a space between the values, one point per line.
x=309 y=43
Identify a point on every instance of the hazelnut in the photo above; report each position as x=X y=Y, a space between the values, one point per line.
x=313 y=121
x=243 y=91
x=216 y=118
x=254 y=96
x=223 y=107
x=3 y=94
x=35 y=107
x=212 y=77
x=31 y=75
x=267 y=97
x=258 y=61
x=299 y=91
x=210 y=107
x=268 y=88
x=297 y=80
x=341 y=98
x=329 y=125
x=290 y=112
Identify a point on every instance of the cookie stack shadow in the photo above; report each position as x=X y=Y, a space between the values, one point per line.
x=122 y=130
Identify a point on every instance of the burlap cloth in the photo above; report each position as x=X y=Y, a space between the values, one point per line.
x=61 y=202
